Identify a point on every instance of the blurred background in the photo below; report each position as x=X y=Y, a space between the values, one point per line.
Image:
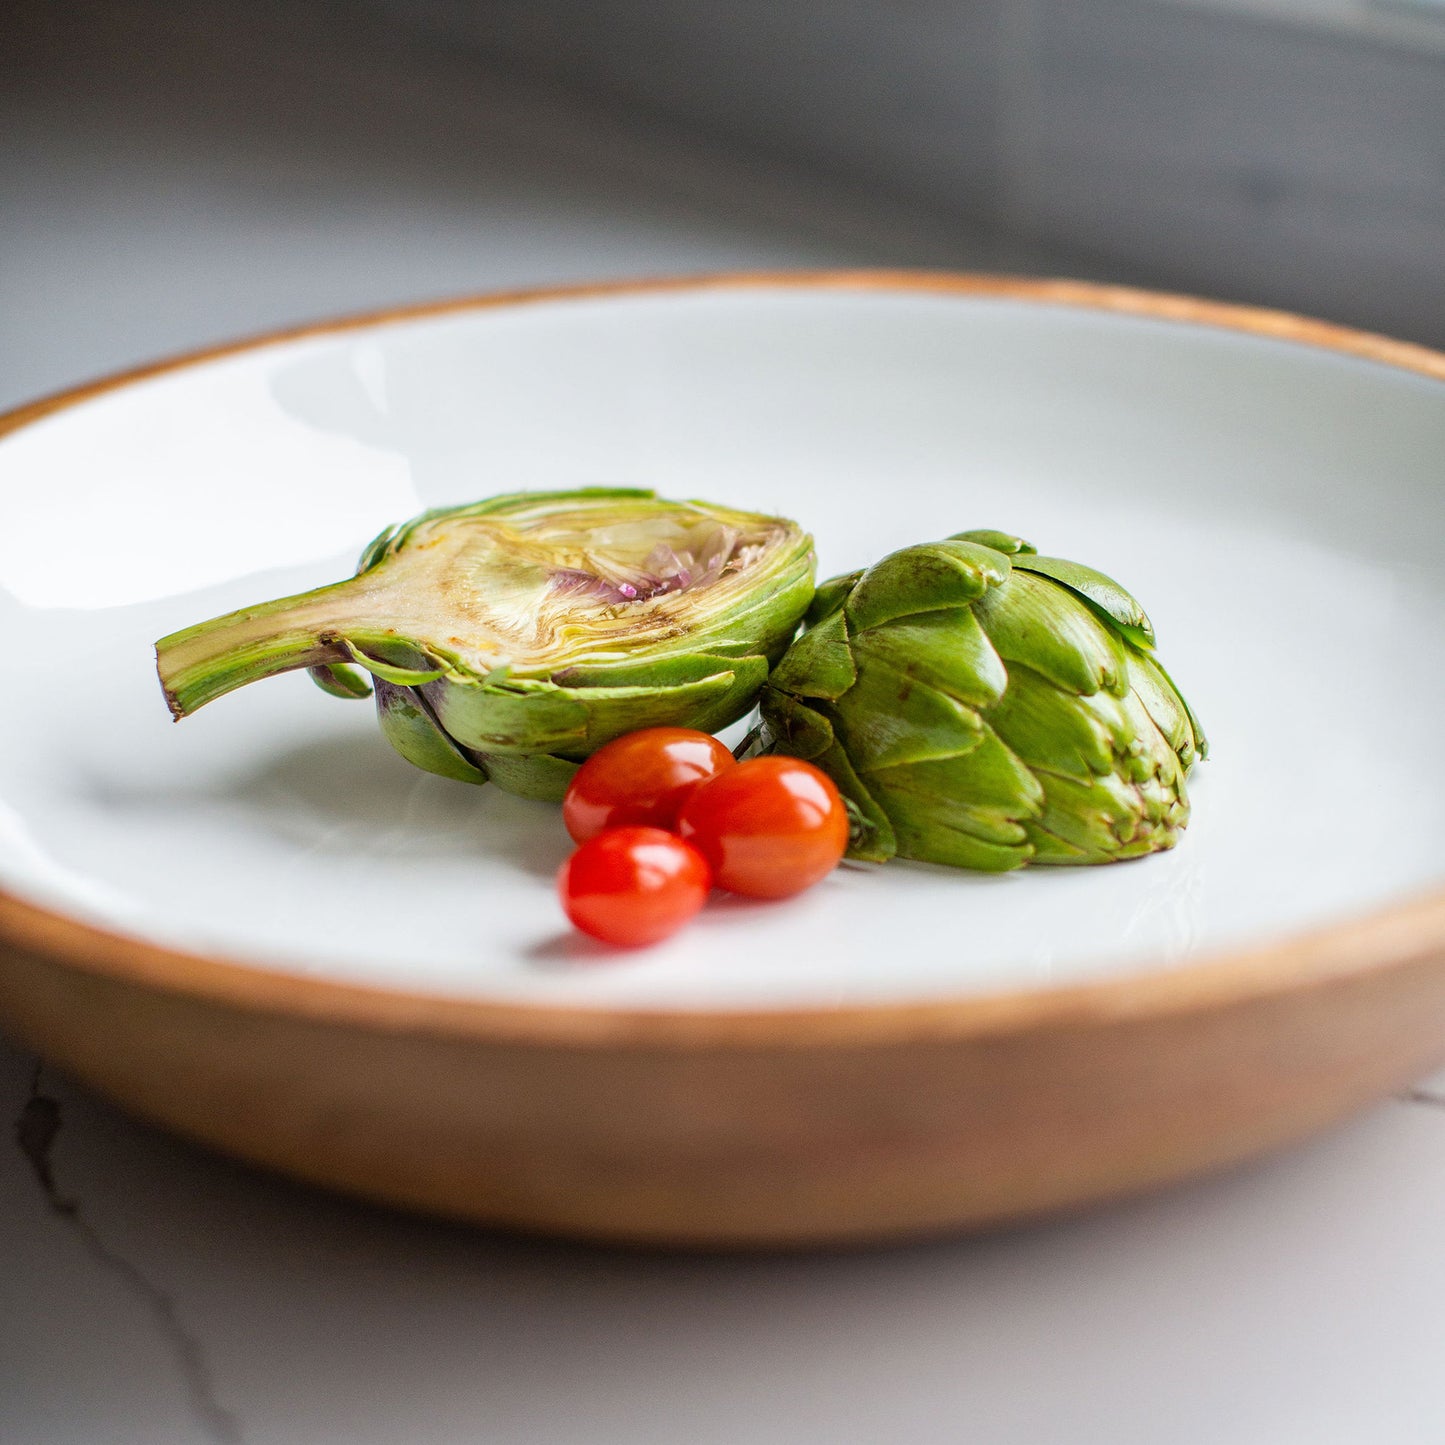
x=175 y=172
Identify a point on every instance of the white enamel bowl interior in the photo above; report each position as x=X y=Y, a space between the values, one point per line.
x=1277 y=508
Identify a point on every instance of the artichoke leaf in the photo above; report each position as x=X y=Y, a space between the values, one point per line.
x=409 y=726
x=539 y=775
x=947 y=650
x=1056 y=730
x=1004 y=542
x=519 y=716
x=529 y=716
x=830 y=596
x=1161 y=715
x=337 y=679
x=1165 y=702
x=679 y=670
x=377 y=548
x=1039 y=624
x=985 y=792
x=876 y=841
x=399 y=675
x=820 y=663
x=1100 y=592
x=792 y=726
x=938 y=840
x=892 y=718
x=1051 y=850
x=1108 y=817
x=924 y=579
x=755 y=619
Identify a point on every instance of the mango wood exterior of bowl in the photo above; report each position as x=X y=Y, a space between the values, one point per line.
x=758 y=1129
x=742 y=1130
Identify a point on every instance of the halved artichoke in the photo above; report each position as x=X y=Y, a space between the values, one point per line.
x=510 y=638
x=986 y=707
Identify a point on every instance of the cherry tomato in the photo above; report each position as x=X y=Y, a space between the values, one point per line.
x=632 y=886
x=770 y=827
x=640 y=779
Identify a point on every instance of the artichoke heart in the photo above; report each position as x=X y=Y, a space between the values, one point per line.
x=985 y=707
x=507 y=639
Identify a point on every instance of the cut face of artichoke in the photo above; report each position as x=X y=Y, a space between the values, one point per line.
x=985 y=707
x=510 y=638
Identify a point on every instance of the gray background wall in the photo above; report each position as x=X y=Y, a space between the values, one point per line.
x=1290 y=152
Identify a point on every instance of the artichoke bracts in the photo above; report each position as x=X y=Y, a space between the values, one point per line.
x=510 y=638
x=986 y=707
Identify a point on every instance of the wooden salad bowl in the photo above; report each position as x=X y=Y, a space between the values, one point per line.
x=776 y=1127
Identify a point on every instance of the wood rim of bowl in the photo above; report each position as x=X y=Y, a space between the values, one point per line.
x=1394 y=936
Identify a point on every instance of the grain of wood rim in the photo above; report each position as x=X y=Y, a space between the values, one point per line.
x=1396 y=937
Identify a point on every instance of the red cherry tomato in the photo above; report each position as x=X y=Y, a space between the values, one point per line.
x=770 y=827
x=640 y=779
x=633 y=886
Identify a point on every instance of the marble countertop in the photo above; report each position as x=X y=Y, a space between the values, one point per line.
x=151 y=1293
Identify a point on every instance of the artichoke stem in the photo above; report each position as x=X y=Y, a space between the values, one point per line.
x=201 y=663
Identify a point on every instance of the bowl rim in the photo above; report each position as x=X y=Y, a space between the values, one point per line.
x=1355 y=948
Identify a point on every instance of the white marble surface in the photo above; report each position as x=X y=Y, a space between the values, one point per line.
x=151 y=1294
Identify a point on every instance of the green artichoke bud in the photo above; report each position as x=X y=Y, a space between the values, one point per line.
x=510 y=638
x=986 y=707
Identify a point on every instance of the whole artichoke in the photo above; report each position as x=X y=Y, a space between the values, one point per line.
x=510 y=638
x=986 y=707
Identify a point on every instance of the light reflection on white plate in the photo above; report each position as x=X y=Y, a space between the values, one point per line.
x=132 y=488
